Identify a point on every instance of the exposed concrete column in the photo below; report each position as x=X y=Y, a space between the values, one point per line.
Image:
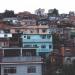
x=62 y=52
x=3 y=52
x=21 y=51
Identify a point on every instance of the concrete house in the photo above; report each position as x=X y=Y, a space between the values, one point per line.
x=20 y=61
x=43 y=43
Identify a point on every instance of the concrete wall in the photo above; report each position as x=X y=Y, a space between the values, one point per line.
x=22 y=69
x=69 y=60
x=37 y=40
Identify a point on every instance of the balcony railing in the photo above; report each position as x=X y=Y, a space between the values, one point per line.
x=22 y=59
x=36 y=40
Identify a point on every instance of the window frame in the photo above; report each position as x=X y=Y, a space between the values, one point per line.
x=43 y=36
x=28 y=37
x=24 y=36
x=9 y=70
x=44 y=30
x=50 y=46
x=31 y=69
x=48 y=36
x=43 y=46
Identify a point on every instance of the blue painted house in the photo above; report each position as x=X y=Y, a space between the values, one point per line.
x=43 y=43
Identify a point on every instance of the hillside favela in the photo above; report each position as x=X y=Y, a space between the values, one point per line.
x=37 y=44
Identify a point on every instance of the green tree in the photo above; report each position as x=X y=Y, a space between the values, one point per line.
x=55 y=12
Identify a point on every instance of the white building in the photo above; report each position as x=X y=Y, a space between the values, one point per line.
x=23 y=67
x=17 y=61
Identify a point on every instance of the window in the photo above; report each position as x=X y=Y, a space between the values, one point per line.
x=48 y=36
x=24 y=36
x=8 y=70
x=43 y=36
x=44 y=30
x=68 y=60
x=31 y=31
x=35 y=46
x=27 y=46
x=5 y=35
x=28 y=37
x=67 y=51
x=31 y=69
x=43 y=46
x=30 y=23
x=26 y=23
x=28 y=54
x=17 y=31
x=11 y=52
x=7 y=31
x=49 y=46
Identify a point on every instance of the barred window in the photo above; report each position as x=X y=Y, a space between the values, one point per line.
x=31 y=69
x=43 y=46
x=8 y=70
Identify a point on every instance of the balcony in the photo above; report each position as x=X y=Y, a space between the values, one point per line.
x=39 y=26
x=37 y=40
x=21 y=59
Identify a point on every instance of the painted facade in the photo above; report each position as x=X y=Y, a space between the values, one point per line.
x=21 y=66
x=43 y=42
x=21 y=69
x=20 y=61
x=28 y=22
